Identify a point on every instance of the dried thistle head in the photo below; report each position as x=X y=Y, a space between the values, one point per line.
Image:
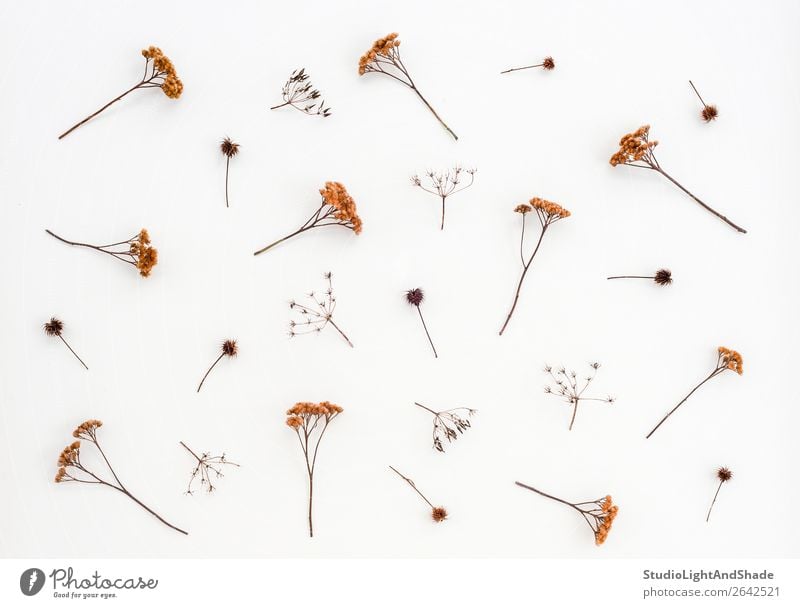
x=172 y=85
x=53 y=327
x=230 y=348
x=731 y=359
x=724 y=474
x=228 y=147
x=383 y=47
x=548 y=63
x=663 y=277
x=336 y=195
x=439 y=514
x=633 y=146
x=709 y=113
x=415 y=296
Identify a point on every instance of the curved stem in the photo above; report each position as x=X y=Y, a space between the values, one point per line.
x=719 y=487
x=148 y=509
x=672 y=411
x=430 y=107
x=574 y=413
x=310 y=500
x=63 y=240
x=425 y=327
x=72 y=351
x=701 y=203
x=209 y=371
x=113 y=101
x=522 y=278
x=413 y=485
x=336 y=327
x=286 y=238
x=569 y=504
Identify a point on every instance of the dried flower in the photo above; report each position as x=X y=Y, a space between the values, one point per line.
x=135 y=251
x=158 y=73
x=723 y=474
x=70 y=467
x=316 y=315
x=727 y=359
x=54 y=327
x=636 y=150
x=206 y=467
x=415 y=297
x=448 y=424
x=548 y=213
x=661 y=277
x=438 y=514
x=445 y=183
x=384 y=58
x=305 y=419
x=299 y=93
x=547 y=64
x=337 y=209
x=567 y=386
x=229 y=349
x=599 y=514
x=229 y=149
x=709 y=112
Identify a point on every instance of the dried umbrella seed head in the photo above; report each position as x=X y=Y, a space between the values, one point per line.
x=299 y=93
x=449 y=424
x=317 y=314
x=415 y=296
x=568 y=386
x=444 y=183
x=206 y=467
x=724 y=474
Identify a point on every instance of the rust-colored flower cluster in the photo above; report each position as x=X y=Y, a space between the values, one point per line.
x=731 y=359
x=382 y=47
x=136 y=251
x=606 y=517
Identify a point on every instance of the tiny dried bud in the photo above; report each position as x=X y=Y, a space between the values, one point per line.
x=229 y=348
x=724 y=474
x=709 y=113
x=414 y=296
x=663 y=277
x=548 y=63
x=53 y=327
x=439 y=514
x=229 y=148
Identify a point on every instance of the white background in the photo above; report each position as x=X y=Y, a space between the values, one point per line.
x=154 y=162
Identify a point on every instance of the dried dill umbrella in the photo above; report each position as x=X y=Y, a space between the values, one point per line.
x=448 y=424
x=548 y=213
x=54 y=327
x=415 y=297
x=306 y=419
x=316 y=315
x=661 y=277
x=159 y=73
x=229 y=149
x=299 y=93
x=567 y=385
x=72 y=468
x=709 y=112
x=438 y=514
x=599 y=514
x=135 y=251
x=636 y=150
x=444 y=183
x=724 y=474
x=727 y=359
x=383 y=57
x=337 y=209
x=229 y=348
x=206 y=467
x=547 y=64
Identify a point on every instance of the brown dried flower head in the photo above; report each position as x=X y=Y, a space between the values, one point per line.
x=439 y=514
x=663 y=277
x=69 y=456
x=53 y=327
x=336 y=195
x=86 y=430
x=523 y=209
x=709 y=113
x=172 y=85
x=415 y=296
x=606 y=519
x=549 y=209
x=230 y=348
x=381 y=47
x=724 y=474
x=229 y=148
x=731 y=359
x=146 y=256
x=633 y=146
x=301 y=411
x=548 y=63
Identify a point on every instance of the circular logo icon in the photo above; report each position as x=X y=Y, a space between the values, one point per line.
x=31 y=581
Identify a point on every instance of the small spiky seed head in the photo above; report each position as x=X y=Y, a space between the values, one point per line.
x=229 y=148
x=53 y=327
x=548 y=63
x=709 y=113
x=439 y=514
x=415 y=296
x=229 y=348
x=724 y=474
x=663 y=277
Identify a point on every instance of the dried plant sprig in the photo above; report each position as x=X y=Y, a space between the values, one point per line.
x=207 y=467
x=662 y=276
x=54 y=327
x=337 y=209
x=438 y=514
x=71 y=468
x=135 y=251
x=444 y=183
x=310 y=421
x=599 y=514
x=383 y=57
x=415 y=297
x=567 y=385
x=448 y=424
x=636 y=150
x=548 y=214
x=709 y=112
x=159 y=73
x=229 y=348
x=724 y=474
x=317 y=315
x=727 y=360
x=299 y=93
x=229 y=149
x=547 y=64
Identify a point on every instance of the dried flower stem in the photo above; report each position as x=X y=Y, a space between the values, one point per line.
x=72 y=351
x=139 y=253
x=567 y=387
x=413 y=485
x=229 y=349
x=719 y=487
x=723 y=474
x=444 y=183
x=55 y=327
x=427 y=333
x=547 y=64
x=315 y=319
